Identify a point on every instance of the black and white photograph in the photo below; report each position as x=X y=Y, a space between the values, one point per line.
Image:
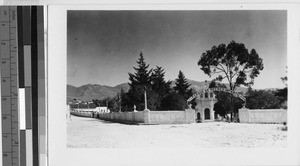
x=176 y=78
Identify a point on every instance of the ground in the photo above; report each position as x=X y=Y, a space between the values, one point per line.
x=96 y=133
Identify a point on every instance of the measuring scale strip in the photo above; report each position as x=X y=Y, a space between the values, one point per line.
x=9 y=86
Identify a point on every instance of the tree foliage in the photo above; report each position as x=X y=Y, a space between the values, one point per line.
x=182 y=88
x=139 y=82
x=160 y=95
x=232 y=62
x=142 y=75
x=173 y=101
x=149 y=80
x=161 y=87
x=111 y=103
x=223 y=104
x=282 y=94
x=262 y=99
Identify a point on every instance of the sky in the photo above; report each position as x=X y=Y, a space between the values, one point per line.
x=103 y=46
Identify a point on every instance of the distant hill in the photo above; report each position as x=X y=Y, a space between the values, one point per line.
x=94 y=91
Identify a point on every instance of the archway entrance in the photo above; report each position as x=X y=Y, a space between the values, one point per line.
x=198 y=116
x=206 y=113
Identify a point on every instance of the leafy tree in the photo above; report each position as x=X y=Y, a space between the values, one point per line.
x=111 y=103
x=262 y=99
x=232 y=62
x=282 y=96
x=160 y=86
x=283 y=93
x=223 y=105
x=125 y=102
x=96 y=102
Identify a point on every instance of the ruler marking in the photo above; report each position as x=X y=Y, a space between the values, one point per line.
x=10 y=128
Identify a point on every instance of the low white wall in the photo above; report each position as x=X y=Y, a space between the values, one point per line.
x=129 y=117
x=150 y=117
x=262 y=115
x=172 y=117
x=81 y=112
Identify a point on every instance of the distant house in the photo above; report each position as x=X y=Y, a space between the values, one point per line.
x=102 y=110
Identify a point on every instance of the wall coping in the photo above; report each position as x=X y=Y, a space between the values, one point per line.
x=257 y=110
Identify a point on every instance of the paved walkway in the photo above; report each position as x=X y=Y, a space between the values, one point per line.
x=96 y=133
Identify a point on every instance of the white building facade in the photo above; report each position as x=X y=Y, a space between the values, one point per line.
x=205 y=106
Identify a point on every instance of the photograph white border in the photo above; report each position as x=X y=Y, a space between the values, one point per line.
x=59 y=154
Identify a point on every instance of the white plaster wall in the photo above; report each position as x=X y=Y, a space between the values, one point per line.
x=167 y=117
x=152 y=117
x=139 y=117
x=81 y=113
x=262 y=115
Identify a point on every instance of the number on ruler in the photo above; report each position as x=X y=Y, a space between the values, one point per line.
x=3 y=43
x=15 y=94
x=13 y=14
x=4 y=98
x=3 y=61
x=4 y=117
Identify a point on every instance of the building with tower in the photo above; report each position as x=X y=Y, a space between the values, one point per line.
x=205 y=106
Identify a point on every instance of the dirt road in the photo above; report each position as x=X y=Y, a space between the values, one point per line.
x=96 y=133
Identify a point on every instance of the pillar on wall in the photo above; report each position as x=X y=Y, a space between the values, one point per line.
x=212 y=112
x=202 y=114
x=147 y=116
x=190 y=116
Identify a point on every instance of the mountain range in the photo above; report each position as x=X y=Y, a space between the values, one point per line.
x=95 y=91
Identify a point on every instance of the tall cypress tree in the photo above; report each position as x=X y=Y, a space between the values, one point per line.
x=140 y=81
x=159 y=84
x=182 y=87
x=142 y=76
x=161 y=87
